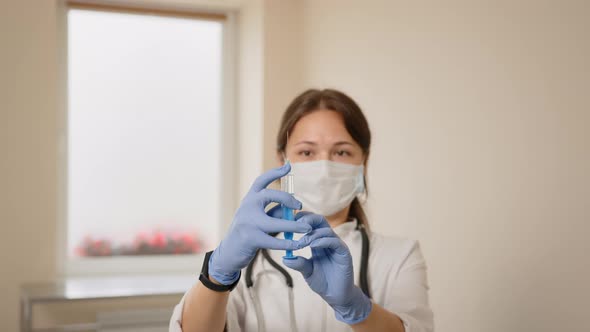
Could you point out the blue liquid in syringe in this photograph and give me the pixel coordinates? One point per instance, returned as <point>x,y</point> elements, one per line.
<point>288,215</point>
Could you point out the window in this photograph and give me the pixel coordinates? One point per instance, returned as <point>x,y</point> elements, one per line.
<point>144,134</point>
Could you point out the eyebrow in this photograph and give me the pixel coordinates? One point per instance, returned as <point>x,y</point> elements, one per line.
<point>305,142</point>
<point>314,143</point>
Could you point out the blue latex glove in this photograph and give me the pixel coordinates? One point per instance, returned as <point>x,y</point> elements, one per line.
<point>250,228</point>
<point>329,271</point>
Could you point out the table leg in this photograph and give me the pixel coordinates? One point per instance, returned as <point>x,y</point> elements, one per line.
<point>25,315</point>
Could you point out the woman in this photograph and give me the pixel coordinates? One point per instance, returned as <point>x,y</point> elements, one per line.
<point>326,138</point>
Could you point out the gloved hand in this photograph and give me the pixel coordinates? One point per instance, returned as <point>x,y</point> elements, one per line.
<point>250,228</point>
<point>329,271</point>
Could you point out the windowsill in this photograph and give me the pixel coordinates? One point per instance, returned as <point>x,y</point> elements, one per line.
<point>130,265</point>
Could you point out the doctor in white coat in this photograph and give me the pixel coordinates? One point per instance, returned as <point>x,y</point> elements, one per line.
<point>344,278</point>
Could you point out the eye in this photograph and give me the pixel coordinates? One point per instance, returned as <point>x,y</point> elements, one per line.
<point>305,153</point>
<point>342,153</point>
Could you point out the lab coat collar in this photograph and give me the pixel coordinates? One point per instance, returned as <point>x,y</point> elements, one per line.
<point>346,228</point>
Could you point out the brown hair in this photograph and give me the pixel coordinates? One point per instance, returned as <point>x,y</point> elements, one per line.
<point>354,120</point>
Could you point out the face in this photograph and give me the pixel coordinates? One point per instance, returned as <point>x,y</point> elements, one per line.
<point>322,135</point>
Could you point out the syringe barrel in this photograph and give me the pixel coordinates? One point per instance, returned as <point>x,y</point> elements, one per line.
<point>287,184</point>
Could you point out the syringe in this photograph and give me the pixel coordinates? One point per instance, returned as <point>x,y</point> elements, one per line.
<point>288,213</point>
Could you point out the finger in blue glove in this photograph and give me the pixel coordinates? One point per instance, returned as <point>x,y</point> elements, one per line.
<point>329,271</point>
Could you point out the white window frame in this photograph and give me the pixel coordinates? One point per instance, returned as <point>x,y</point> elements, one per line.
<point>148,264</point>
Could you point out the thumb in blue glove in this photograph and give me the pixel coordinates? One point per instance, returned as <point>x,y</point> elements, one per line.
<point>329,272</point>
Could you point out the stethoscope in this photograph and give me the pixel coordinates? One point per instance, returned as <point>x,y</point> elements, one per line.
<point>364,282</point>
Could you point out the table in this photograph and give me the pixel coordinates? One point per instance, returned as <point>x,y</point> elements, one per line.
<point>79,289</point>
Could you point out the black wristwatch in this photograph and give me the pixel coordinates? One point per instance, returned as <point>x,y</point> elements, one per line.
<point>204,278</point>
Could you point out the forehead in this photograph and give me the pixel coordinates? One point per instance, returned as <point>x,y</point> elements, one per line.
<point>320,126</point>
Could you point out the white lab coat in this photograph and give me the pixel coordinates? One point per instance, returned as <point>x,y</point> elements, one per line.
<point>397,282</point>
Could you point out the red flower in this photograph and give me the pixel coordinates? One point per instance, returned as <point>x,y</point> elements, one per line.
<point>159,240</point>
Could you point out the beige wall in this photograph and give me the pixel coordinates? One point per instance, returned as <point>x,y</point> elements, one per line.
<point>481,119</point>
<point>283,71</point>
<point>270,74</point>
<point>28,149</point>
